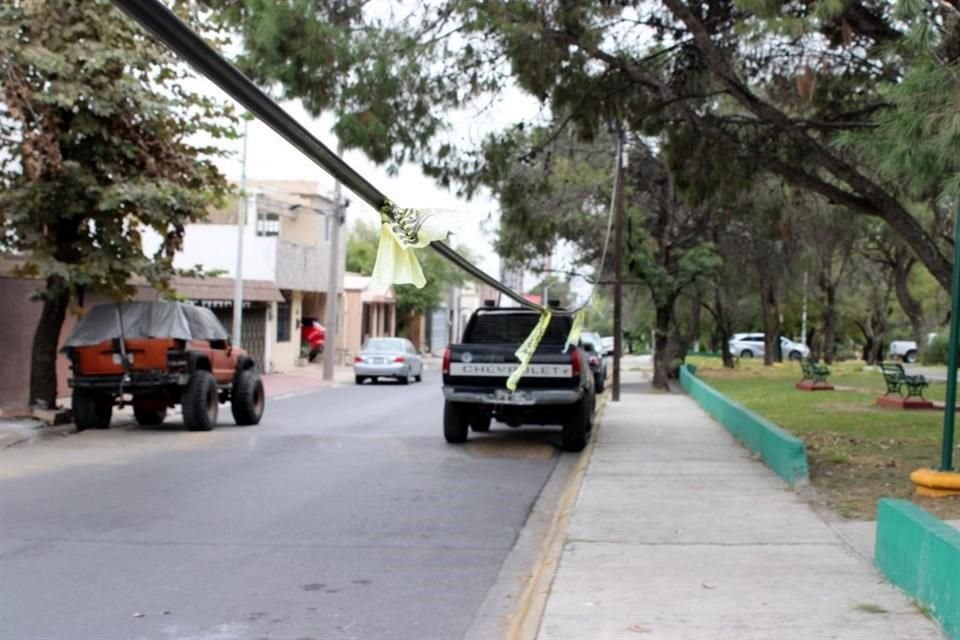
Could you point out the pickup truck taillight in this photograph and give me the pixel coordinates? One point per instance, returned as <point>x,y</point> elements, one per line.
<point>446,361</point>
<point>575,363</point>
<point>177,360</point>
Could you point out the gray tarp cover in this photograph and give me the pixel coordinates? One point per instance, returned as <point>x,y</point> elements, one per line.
<point>147,320</point>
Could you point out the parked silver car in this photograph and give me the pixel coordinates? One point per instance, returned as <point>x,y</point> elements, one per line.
<point>749,345</point>
<point>388,358</point>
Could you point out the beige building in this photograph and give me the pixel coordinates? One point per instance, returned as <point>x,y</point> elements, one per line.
<point>366,312</point>
<point>287,239</point>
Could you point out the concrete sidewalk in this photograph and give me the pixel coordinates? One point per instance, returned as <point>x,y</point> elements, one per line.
<point>678,534</point>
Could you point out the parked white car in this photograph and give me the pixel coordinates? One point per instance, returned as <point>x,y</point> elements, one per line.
<point>905,350</point>
<point>749,345</point>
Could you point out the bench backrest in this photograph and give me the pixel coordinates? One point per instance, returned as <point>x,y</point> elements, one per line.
<point>892,370</point>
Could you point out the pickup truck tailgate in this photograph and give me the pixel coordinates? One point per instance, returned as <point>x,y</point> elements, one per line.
<point>490,366</point>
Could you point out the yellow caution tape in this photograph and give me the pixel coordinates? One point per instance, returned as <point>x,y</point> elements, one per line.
<point>402,231</point>
<point>527,349</point>
<point>574,338</point>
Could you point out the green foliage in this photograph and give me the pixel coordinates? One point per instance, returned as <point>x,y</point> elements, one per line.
<point>96,122</point>
<point>936,352</point>
<point>440,275</point>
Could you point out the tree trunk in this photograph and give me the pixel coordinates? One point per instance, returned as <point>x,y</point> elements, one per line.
<point>661,347</point>
<point>692,336</point>
<point>46,339</point>
<point>910,305</point>
<point>771,327</point>
<point>829,320</point>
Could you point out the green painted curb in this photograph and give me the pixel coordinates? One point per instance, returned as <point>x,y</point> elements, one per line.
<point>921,555</point>
<point>782,451</point>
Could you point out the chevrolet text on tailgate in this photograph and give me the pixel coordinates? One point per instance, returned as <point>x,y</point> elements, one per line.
<point>557,387</point>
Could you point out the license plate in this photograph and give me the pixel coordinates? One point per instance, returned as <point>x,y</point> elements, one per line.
<point>505,396</point>
<point>376,360</point>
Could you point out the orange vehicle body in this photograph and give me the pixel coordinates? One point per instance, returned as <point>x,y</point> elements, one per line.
<point>154,373</point>
<point>154,355</point>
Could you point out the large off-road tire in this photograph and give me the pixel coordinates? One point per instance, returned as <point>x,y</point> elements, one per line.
<point>480,421</point>
<point>149,417</point>
<point>455,422</point>
<point>247,399</point>
<point>200,401</point>
<point>91,409</point>
<point>574,436</point>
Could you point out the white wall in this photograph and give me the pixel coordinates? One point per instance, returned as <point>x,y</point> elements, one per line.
<point>214,246</point>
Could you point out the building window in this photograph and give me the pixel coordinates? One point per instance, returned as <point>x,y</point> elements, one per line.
<point>283,321</point>
<point>268,224</point>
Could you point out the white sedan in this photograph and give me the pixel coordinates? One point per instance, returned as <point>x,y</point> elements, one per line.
<point>748,345</point>
<point>388,358</point>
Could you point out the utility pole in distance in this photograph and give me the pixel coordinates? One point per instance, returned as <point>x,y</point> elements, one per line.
<point>330,308</point>
<point>241,228</point>
<point>618,267</point>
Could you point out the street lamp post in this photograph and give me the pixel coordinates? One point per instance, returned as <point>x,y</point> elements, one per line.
<point>241,224</point>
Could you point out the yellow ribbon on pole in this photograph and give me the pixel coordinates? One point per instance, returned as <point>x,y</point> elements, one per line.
<point>527,349</point>
<point>577,329</point>
<point>402,231</point>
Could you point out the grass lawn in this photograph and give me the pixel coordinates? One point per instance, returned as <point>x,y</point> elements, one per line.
<point>858,452</point>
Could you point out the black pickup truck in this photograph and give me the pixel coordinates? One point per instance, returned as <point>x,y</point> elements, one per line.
<point>557,387</point>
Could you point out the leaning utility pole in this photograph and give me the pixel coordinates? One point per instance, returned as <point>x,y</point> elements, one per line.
<point>618,267</point>
<point>333,281</point>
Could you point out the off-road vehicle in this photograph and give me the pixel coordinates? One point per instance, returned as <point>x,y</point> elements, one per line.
<point>155,355</point>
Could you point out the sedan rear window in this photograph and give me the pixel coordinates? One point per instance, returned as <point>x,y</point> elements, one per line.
<point>383,345</point>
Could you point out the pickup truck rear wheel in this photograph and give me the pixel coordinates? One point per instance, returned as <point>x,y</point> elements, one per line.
<point>575,430</point>
<point>910,356</point>
<point>200,401</point>
<point>455,422</point>
<point>91,410</point>
<point>247,398</point>
<point>480,421</point>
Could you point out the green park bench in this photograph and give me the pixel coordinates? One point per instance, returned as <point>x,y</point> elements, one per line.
<point>816,373</point>
<point>897,380</point>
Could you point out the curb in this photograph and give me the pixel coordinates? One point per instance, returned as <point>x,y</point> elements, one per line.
<point>23,436</point>
<point>781,451</point>
<point>525,622</point>
<point>920,554</point>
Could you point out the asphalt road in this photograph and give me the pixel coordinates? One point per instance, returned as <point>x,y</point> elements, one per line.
<point>344,514</point>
